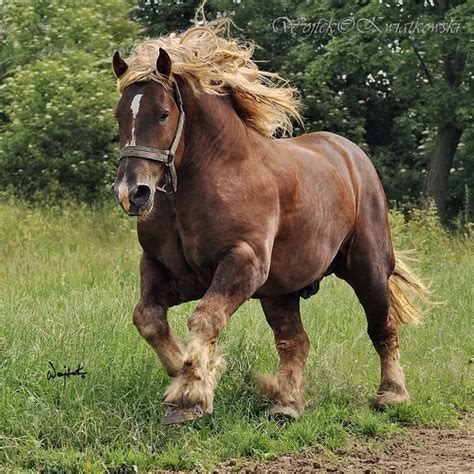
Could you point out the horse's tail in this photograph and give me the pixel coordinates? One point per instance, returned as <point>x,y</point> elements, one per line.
<point>409,295</point>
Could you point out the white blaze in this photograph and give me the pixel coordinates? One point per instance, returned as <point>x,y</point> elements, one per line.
<point>123,188</point>
<point>134,107</point>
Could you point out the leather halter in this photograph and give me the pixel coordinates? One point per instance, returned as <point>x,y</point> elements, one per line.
<point>156,154</point>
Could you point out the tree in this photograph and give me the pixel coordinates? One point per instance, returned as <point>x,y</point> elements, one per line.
<point>448,84</point>
<point>58,134</point>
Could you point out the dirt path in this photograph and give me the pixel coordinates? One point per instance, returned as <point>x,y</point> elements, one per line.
<point>422,450</point>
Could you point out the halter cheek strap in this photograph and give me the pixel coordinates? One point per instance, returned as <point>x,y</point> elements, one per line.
<point>162,156</point>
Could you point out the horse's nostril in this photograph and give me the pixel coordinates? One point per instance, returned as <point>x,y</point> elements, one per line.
<point>139,195</point>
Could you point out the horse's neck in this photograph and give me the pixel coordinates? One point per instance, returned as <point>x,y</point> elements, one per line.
<point>214,133</point>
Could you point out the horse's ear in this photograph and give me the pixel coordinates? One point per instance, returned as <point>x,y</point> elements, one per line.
<point>118,65</point>
<point>163,63</point>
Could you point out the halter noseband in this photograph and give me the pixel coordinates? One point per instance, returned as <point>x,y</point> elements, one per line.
<point>162,156</point>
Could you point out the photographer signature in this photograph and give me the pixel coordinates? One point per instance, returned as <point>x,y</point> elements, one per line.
<point>52,374</point>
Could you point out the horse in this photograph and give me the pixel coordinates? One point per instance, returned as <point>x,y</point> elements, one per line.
<point>226,212</point>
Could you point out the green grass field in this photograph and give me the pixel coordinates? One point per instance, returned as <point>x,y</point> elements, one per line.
<point>69,281</point>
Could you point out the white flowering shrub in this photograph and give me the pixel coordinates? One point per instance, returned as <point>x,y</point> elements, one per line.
<point>58,136</point>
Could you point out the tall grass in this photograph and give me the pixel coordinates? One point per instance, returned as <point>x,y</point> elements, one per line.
<point>69,281</point>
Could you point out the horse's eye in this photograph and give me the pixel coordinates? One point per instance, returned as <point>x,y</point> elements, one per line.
<point>164,116</point>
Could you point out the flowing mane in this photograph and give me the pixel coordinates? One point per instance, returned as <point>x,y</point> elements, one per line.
<point>212,62</point>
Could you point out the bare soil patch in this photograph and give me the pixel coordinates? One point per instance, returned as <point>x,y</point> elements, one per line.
<point>421,450</point>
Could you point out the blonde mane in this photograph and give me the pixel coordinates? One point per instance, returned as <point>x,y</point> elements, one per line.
<point>212,62</point>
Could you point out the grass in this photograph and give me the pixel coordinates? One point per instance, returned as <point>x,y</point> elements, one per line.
<point>69,281</point>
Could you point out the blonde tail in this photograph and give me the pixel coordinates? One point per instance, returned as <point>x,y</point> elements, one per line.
<point>408,294</point>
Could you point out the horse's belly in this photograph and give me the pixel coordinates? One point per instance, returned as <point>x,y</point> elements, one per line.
<point>304,257</point>
<point>294,272</point>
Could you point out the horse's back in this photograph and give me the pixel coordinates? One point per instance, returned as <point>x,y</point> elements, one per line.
<point>339,153</point>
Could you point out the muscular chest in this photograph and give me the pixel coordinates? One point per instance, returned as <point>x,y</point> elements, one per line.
<point>160,239</point>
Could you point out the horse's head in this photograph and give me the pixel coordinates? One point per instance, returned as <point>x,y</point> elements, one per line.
<point>148,115</point>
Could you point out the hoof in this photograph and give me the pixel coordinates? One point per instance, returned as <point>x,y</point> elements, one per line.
<point>284,412</point>
<point>175,415</point>
<point>384,400</point>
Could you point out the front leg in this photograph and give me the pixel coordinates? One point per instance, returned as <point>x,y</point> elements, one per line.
<point>150,315</point>
<point>239,274</point>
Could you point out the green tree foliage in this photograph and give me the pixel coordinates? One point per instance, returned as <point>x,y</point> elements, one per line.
<point>57,95</point>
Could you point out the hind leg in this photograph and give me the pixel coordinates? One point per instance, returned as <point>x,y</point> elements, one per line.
<point>368,273</point>
<point>286,389</point>
<point>383,331</point>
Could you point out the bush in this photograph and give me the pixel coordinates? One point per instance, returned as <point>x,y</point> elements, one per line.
<point>59,134</point>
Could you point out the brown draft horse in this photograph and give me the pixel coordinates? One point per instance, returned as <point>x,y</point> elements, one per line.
<point>227,213</point>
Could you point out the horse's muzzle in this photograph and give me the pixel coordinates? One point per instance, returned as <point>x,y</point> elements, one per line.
<point>135,200</point>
